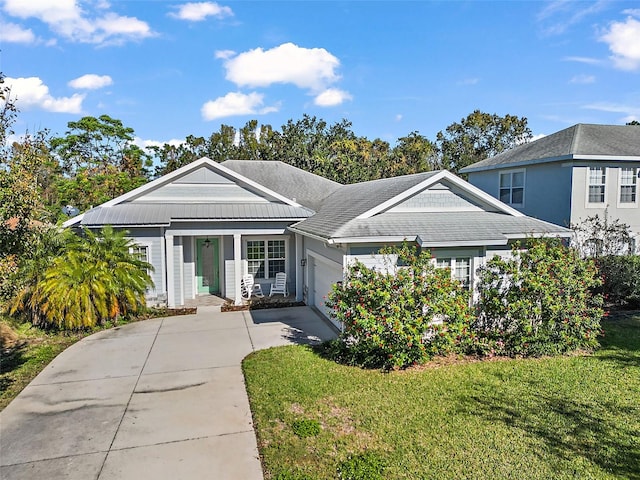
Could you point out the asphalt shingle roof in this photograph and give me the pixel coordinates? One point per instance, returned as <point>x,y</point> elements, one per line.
<point>306,188</point>
<point>449,227</point>
<point>349,201</point>
<point>575,141</point>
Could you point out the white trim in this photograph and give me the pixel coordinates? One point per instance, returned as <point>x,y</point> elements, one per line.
<point>265,240</point>
<point>171,296</point>
<point>226,231</point>
<point>619,189</point>
<point>169,177</point>
<point>299,269</point>
<point>237,264</point>
<point>511,172</point>
<point>438,177</point>
<point>596,205</point>
<point>560,158</point>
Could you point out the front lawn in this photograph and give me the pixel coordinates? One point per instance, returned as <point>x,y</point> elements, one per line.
<point>565,417</point>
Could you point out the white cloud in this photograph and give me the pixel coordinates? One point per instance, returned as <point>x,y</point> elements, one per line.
<point>155,143</point>
<point>91,81</point>
<point>398,117</point>
<point>587,60</point>
<point>623,39</point>
<point>332,97</point>
<point>629,110</point>
<point>224,54</point>
<point>583,79</point>
<point>308,68</point>
<point>68,19</point>
<point>236,103</point>
<point>537,137</point>
<point>12,33</point>
<point>31,92</point>
<point>559,15</point>
<point>196,12</point>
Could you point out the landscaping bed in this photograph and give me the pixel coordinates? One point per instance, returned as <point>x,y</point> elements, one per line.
<point>574,416</point>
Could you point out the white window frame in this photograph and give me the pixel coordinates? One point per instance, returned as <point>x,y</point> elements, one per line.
<point>589,185</point>
<point>452,263</point>
<point>265,241</point>
<point>146,246</point>
<point>511,174</point>
<point>636,180</point>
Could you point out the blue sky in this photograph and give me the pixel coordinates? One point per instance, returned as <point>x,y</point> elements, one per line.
<point>169,68</point>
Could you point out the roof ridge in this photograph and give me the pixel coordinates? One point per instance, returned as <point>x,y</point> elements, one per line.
<point>575,138</point>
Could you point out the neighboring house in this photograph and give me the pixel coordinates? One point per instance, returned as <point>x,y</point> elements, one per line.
<point>570,175</point>
<point>206,224</point>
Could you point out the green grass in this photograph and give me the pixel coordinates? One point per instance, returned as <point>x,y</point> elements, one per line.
<point>563,418</point>
<point>20,365</point>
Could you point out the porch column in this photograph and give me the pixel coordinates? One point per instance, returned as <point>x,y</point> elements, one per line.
<point>171,297</point>
<point>237,265</point>
<point>299,268</point>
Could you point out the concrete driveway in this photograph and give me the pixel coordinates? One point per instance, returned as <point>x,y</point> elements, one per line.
<point>160,399</point>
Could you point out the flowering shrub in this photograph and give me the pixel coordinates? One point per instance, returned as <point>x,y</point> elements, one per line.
<point>539,302</point>
<point>621,279</point>
<point>397,316</point>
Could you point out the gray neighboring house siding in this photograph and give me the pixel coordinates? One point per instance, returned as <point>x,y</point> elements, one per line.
<point>556,171</point>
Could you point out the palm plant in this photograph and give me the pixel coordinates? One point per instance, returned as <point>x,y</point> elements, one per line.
<point>96,278</point>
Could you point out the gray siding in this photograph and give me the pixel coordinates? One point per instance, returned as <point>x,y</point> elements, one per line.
<point>152,239</point>
<point>189,268</point>
<point>626,213</point>
<point>547,192</point>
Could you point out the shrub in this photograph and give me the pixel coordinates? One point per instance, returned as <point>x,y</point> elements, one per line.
<point>306,428</point>
<point>366,466</point>
<point>401,314</point>
<point>621,279</point>
<point>538,302</point>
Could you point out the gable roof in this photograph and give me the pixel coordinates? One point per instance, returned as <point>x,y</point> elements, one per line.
<point>579,142</point>
<point>127,208</point>
<point>359,213</point>
<point>301,186</point>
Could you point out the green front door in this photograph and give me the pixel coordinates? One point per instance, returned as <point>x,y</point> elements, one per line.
<point>207,267</point>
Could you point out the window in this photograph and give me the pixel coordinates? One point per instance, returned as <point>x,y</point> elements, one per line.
<point>512,187</point>
<point>266,257</point>
<point>141,252</point>
<point>628,188</point>
<point>460,269</point>
<point>597,181</point>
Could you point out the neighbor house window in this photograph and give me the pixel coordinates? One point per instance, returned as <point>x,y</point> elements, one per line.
<point>512,187</point>
<point>266,257</point>
<point>460,268</point>
<point>628,188</point>
<point>597,181</point>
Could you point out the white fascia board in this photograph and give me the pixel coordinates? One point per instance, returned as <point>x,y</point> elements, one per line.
<point>608,158</point>
<point>169,177</point>
<point>482,195</point>
<point>395,239</point>
<point>457,181</point>
<point>466,243</point>
<point>402,196</point>
<point>73,221</point>
<point>292,228</point>
<point>516,164</point>
<point>557,233</point>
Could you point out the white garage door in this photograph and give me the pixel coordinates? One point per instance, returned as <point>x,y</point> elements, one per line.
<point>324,276</point>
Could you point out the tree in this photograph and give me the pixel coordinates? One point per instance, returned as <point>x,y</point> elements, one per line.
<point>95,278</point>
<point>97,143</point>
<point>479,136</point>
<point>99,161</point>
<point>633,122</point>
<point>414,154</point>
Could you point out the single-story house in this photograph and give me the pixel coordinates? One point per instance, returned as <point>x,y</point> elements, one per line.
<point>207,224</point>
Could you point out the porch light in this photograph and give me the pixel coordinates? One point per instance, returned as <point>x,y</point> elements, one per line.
<point>207,242</point>
<point>303,262</point>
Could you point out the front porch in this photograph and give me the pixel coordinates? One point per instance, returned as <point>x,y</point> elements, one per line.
<point>204,267</point>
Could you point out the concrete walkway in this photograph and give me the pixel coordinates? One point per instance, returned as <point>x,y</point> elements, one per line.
<point>160,399</point>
